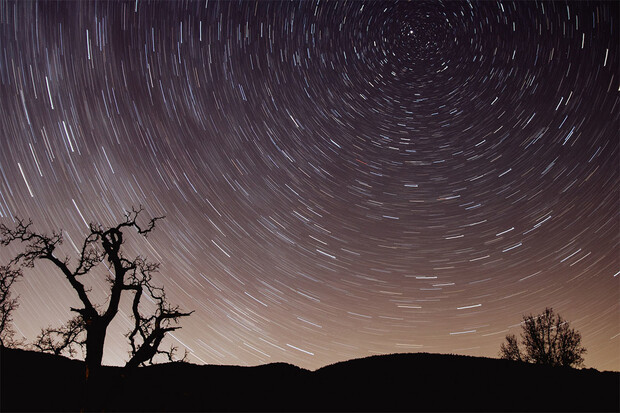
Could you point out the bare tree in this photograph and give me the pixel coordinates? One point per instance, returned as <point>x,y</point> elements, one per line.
<point>510,350</point>
<point>124,276</point>
<point>8,304</point>
<point>62,340</point>
<point>148,332</point>
<point>547,339</point>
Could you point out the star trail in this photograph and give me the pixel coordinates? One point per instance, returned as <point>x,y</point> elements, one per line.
<point>339,179</point>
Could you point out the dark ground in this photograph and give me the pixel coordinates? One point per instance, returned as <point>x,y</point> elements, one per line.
<point>398,382</point>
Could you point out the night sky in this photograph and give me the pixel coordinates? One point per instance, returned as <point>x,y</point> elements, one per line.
<point>339,179</point>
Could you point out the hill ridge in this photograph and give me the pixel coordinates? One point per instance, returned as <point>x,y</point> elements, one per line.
<point>32,381</point>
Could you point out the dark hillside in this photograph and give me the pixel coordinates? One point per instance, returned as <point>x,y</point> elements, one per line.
<point>38,382</point>
<point>32,381</point>
<point>431,382</point>
<point>399,382</point>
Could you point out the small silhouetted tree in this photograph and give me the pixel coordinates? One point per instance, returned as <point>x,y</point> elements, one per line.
<point>8,304</point>
<point>546,339</point>
<point>64,340</point>
<point>124,275</point>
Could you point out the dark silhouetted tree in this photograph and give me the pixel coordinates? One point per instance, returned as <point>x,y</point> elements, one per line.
<point>546,339</point>
<point>510,350</point>
<point>124,275</point>
<point>64,340</point>
<point>8,304</point>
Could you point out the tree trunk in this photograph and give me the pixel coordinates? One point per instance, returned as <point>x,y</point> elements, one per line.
<point>95,339</point>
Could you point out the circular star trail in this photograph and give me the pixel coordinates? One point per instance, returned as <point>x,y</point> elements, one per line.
<point>339,179</point>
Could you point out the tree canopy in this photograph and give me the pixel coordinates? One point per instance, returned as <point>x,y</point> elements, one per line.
<point>546,339</point>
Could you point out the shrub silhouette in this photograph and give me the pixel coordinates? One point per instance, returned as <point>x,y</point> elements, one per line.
<point>547,339</point>
<point>89,327</point>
